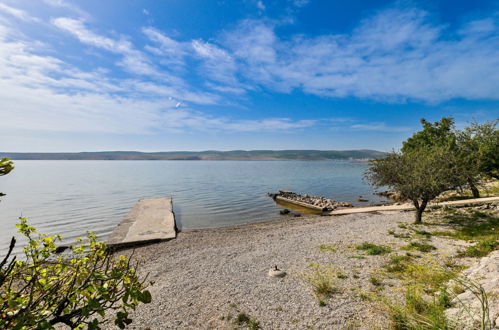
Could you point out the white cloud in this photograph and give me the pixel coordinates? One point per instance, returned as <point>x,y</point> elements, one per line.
<point>171,51</point>
<point>17,13</point>
<point>133,61</point>
<point>260,5</point>
<point>44,93</point>
<point>393,56</point>
<point>301,3</point>
<point>68,7</point>
<point>381,127</point>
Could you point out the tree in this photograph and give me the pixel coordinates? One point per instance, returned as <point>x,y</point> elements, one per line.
<point>477,148</point>
<point>440,133</point>
<point>418,175</point>
<point>6,165</point>
<point>77,289</point>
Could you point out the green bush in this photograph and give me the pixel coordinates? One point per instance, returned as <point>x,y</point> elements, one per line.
<point>44,289</point>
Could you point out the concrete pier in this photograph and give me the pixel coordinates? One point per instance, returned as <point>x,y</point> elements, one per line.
<point>150,220</point>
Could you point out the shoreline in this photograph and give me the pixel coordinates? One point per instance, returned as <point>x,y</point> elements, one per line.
<point>228,267</point>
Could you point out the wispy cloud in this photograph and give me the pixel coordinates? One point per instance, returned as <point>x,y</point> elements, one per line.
<point>393,56</point>
<point>17,13</point>
<point>380,127</point>
<point>44,93</point>
<point>133,60</point>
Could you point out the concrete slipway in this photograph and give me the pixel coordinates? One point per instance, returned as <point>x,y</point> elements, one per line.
<point>150,220</point>
<point>408,207</point>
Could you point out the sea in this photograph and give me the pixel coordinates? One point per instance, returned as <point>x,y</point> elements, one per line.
<point>71,197</point>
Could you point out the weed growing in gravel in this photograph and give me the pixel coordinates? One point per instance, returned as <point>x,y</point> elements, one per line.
<point>327,248</point>
<point>418,311</point>
<point>422,247</point>
<point>397,263</point>
<point>422,233</point>
<point>425,294</point>
<point>244,319</point>
<point>341,275</point>
<point>323,282</point>
<point>373,249</point>
<point>398,235</point>
<point>375,280</point>
<point>480,249</point>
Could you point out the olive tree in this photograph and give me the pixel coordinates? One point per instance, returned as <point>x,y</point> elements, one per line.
<point>418,175</point>
<point>478,153</point>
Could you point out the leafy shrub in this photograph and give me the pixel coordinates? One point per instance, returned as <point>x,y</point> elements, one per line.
<point>45,289</point>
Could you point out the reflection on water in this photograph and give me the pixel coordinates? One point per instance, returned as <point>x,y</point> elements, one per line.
<point>71,197</point>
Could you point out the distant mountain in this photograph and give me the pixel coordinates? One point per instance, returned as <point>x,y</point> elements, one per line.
<point>202,155</point>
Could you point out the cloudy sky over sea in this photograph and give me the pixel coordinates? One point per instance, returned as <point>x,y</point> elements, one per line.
<point>252,74</point>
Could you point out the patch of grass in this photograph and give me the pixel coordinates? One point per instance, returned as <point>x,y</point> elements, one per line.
<point>341,275</point>
<point>366,296</point>
<point>418,311</point>
<point>469,224</point>
<point>373,249</point>
<point>375,280</point>
<point>422,233</point>
<point>402,225</point>
<point>425,295</point>
<point>480,249</point>
<point>399,235</point>
<point>397,264</point>
<point>327,248</point>
<point>422,247</point>
<point>472,225</point>
<point>428,274</point>
<point>244,319</point>
<point>323,281</point>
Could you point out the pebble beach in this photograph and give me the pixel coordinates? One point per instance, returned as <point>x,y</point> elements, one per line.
<point>205,278</point>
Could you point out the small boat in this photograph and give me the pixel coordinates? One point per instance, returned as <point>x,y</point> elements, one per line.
<point>311,203</point>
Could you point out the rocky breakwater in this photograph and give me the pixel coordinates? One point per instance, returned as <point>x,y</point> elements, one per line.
<point>322,203</point>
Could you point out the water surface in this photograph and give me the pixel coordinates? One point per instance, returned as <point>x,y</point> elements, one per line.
<point>71,197</point>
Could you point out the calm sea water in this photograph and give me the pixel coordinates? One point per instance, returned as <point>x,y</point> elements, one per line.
<point>71,197</point>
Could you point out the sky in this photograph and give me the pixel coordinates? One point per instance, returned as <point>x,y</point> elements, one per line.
<point>196,75</point>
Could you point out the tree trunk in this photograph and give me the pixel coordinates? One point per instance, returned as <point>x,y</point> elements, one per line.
<point>419,210</point>
<point>474,189</point>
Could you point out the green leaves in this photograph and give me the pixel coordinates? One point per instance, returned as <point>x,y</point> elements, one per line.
<point>145,297</point>
<point>45,289</point>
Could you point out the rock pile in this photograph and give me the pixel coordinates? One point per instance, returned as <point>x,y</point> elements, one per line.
<point>325,203</point>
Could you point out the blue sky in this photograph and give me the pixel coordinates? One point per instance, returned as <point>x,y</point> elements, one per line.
<point>250,74</point>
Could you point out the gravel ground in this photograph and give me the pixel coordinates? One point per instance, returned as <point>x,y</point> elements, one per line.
<point>204,276</point>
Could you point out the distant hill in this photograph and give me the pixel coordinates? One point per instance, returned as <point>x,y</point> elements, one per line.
<point>202,155</point>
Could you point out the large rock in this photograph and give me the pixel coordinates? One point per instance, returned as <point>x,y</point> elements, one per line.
<point>485,273</point>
